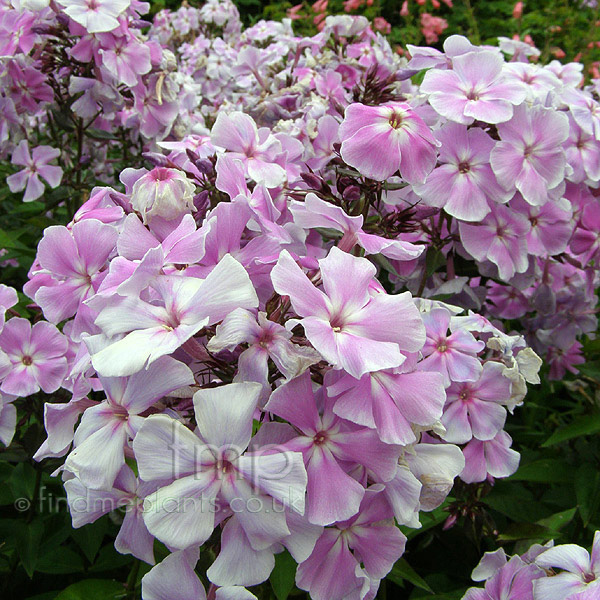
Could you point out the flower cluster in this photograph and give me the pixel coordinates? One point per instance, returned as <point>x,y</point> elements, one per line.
<point>565,572</point>
<point>292,321</point>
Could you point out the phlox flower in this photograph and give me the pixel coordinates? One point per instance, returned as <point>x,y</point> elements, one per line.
<point>349,327</point>
<point>490,458</point>
<point>212,471</point>
<point>474,409</point>
<point>32,357</point>
<point>106,428</point>
<point>379,140</point>
<point>537,81</point>
<point>163,192</point>
<point>126,58</point>
<point>8,418</point>
<point>529,155</point>
<point>391,402</point>
<point>465,181</point>
<point>354,555</point>
<point>36,166</point>
<point>330,447</point>
<point>512,581</point>
<point>551,226</point>
<point>265,339</point>
<point>500,238</point>
<point>580,578</point>
<point>88,505</point>
<point>256,148</point>
<point>95,15</point>
<point>314,212</point>
<point>583,153</point>
<point>71,264</point>
<point>475,88</point>
<point>152,330</point>
<point>453,355</point>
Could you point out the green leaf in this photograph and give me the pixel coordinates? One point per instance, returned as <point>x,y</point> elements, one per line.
<point>403,571</point>
<point>99,134</point>
<point>29,536</point>
<point>61,561</point>
<point>93,589</point>
<point>109,559</point>
<point>283,576</point>
<point>434,259</point>
<point>22,481</point>
<point>545,470</point>
<point>587,490</point>
<point>584,425</point>
<point>525,531</point>
<point>558,520</point>
<point>591,369</point>
<point>89,538</point>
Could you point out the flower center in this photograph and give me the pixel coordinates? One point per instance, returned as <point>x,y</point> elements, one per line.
<point>589,577</point>
<point>472,95</point>
<point>464,167</point>
<point>442,345</point>
<point>320,438</point>
<point>27,360</point>
<point>396,120</point>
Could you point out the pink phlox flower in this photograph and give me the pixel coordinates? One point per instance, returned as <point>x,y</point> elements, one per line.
<point>322,144</point>
<point>474,409</point>
<point>391,402</point>
<point>354,555</point>
<point>475,88</point>
<point>537,81</point>
<point>453,355</point>
<point>266,339</point>
<point>31,357</point>
<point>551,225</point>
<point>95,15</point>
<point>26,86</point>
<point>379,140</point>
<point>213,467</point>
<point>352,329</point>
<point>464,181</point>
<point>330,447</point>
<point>74,259</point>
<point>500,238</point>
<point>16,32</point>
<point>36,166</point>
<point>59,422</point>
<point>88,505</point>
<point>585,110</point>
<point>107,427</point>
<point>510,581</point>
<point>153,330</point>
<point>583,153</point>
<point>315,213</point>
<point>424,57</point>
<point>520,51</point>
<point>126,59</point>
<point>580,575</point>
<point>489,459</point>
<point>8,418</point>
<point>507,302</point>
<point>256,148</point>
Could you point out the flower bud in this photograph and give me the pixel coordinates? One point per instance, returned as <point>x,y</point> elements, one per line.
<point>163,192</point>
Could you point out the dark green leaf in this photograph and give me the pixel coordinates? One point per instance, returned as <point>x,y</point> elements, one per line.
<point>89,538</point>
<point>283,575</point>
<point>558,520</point>
<point>403,571</point>
<point>61,561</point>
<point>587,489</point>
<point>584,425</point>
<point>93,589</point>
<point>546,471</point>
